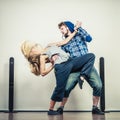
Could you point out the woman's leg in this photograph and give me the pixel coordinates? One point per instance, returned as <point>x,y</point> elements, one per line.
<point>52,104</point>
<point>51,111</point>
<point>62,72</point>
<point>61,80</point>
<point>87,62</point>
<point>84,64</point>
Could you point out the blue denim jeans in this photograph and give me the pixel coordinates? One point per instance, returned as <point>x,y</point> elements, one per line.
<point>84,64</point>
<point>94,81</point>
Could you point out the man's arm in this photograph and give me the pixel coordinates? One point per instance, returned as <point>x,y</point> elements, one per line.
<point>83,33</point>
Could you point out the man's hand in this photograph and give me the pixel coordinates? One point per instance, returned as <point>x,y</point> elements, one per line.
<point>78,24</point>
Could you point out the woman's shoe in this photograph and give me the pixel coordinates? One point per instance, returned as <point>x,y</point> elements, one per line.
<point>52,112</point>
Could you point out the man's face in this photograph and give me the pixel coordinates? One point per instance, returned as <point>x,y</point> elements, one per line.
<point>64,30</point>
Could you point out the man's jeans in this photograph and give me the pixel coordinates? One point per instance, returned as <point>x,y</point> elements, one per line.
<point>94,81</point>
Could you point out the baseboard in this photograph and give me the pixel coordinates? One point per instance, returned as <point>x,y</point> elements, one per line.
<point>44,111</point>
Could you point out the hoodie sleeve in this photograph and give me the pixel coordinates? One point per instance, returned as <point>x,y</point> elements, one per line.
<point>83,33</point>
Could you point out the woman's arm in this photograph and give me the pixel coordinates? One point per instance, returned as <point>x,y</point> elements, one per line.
<point>43,70</point>
<point>65,41</point>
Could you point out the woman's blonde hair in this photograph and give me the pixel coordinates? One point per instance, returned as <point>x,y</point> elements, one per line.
<point>34,60</point>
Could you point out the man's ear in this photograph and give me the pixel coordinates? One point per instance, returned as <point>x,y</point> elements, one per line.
<point>67,28</point>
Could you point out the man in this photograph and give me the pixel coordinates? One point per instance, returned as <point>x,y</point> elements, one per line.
<point>76,48</point>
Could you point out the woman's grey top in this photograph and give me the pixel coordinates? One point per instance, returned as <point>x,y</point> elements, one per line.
<point>55,50</point>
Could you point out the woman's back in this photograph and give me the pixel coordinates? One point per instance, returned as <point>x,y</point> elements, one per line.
<point>55,50</point>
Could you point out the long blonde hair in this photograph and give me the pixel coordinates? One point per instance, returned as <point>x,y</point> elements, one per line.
<point>34,60</point>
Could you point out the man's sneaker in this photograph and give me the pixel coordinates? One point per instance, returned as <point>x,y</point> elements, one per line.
<point>80,82</point>
<point>60,110</point>
<point>96,110</point>
<point>52,112</point>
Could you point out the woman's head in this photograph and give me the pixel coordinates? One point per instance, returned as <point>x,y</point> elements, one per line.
<point>32,51</point>
<point>30,48</point>
<point>26,48</point>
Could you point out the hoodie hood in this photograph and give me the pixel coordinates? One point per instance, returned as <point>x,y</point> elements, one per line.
<point>70,25</point>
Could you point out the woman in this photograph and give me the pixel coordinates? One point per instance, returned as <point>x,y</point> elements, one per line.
<point>60,61</point>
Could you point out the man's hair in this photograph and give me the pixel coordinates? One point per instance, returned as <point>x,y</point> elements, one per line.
<point>68,24</point>
<point>61,24</point>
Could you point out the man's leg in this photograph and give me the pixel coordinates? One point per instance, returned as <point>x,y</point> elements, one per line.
<point>96,100</point>
<point>96,84</point>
